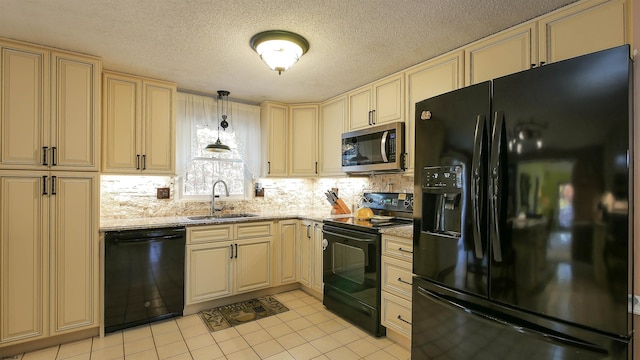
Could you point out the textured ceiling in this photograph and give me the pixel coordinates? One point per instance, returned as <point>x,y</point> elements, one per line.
<point>203,45</point>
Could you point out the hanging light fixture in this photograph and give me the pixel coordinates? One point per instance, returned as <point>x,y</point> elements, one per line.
<point>223,113</point>
<point>279,49</point>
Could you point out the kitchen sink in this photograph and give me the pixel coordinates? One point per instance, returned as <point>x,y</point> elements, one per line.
<point>220,216</point>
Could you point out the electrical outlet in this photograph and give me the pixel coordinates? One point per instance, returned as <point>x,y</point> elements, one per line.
<point>163,193</point>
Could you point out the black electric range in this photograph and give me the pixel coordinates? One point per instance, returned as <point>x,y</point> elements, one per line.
<point>351,259</point>
<point>389,209</point>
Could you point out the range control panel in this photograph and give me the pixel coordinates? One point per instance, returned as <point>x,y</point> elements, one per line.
<point>442,177</point>
<point>402,202</point>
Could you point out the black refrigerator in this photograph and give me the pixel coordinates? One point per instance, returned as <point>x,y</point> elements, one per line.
<point>523,248</point>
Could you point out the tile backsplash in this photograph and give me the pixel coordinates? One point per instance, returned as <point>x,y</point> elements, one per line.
<point>135,196</point>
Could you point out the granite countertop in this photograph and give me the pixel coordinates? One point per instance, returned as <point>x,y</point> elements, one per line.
<point>405,231</point>
<point>175,221</point>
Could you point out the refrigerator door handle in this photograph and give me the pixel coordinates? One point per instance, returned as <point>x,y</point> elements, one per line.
<point>476,183</point>
<point>383,146</point>
<point>494,188</point>
<point>527,328</point>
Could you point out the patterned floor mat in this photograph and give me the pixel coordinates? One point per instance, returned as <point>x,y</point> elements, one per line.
<point>224,317</point>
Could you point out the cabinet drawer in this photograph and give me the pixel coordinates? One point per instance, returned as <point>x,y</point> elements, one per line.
<point>202,234</point>
<point>397,277</point>
<point>401,248</point>
<point>254,230</point>
<point>396,313</point>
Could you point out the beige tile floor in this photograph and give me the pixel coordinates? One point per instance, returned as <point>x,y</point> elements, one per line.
<point>306,331</point>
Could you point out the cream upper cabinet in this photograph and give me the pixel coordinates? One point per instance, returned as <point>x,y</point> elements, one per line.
<point>303,152</point>
<point>138,125</point>
<point>287,252</point>
<point>378,103</point>
<point>583,28</point>
<point>24,260</point>
<point>49,109</point>
<point>505,53</point>
<point>49,249</point>
<point>274,124</point>
<point>333,114</point>
<point>435,77</point>
<point>75,112</point>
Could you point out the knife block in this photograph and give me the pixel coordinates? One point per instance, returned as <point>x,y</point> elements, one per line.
<point>341,208</point>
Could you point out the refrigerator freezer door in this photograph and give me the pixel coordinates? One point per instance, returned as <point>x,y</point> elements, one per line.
<point>450,212</point>
<point>564,219</point>
<point>450,325</point>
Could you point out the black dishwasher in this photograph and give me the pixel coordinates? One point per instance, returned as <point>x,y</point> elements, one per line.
<point>143,276</point>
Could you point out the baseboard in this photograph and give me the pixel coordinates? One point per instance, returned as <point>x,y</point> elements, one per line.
<point>47,342</point>
<point>400,339</point>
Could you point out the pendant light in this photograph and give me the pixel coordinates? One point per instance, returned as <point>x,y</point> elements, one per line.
<point>279,49</point>
<point>223,113</point>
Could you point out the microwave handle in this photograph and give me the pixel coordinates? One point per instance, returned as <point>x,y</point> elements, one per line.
<point>383,146</point>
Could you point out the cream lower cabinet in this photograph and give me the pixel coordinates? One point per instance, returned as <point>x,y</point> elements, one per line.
<point>224,260</point>
<point>48,254</point>
<point>139,125</point>
<point>310,255</point>
<point>49,109</point>
<point>396,279</point>
<point>287,263</point>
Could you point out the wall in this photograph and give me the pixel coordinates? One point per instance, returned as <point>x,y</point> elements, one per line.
<point>135,196</point>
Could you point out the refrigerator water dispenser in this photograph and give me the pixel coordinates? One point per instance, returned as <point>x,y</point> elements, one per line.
<point>442,204</point>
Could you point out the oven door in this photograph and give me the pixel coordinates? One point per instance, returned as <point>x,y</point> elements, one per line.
<point>351,264</point>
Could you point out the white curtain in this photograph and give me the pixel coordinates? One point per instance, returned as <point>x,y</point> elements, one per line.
<point>196,112</point>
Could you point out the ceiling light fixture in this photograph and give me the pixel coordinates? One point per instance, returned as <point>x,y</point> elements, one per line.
<point>279,49</point>
<point>223,113</point>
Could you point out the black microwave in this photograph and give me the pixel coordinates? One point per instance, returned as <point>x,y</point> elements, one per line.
<point>376,149</point>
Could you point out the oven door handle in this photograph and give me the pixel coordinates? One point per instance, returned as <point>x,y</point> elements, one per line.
<point>348,237</point>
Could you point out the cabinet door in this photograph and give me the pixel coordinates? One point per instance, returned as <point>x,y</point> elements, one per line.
<point>23,255</point>
<point>75,115</point>
<point>360,108</point>
<point>287,252</point>
<point>332,119</point>
<point>253,264</point>
<point>582,29</point>
<point>317,283</point>
<point>158,154</point>
<point>304,140</point>
<point>305,252</point>
<point>24,106</point>
<point>389,100</point>
<point>274,118</point>
<point>506,53</point>
<point>208,271</point>
<point>121,108</point>
<point>74,251</point>
<point>427,80</point>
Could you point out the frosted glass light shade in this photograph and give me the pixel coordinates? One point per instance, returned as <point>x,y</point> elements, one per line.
<point>279,49</point>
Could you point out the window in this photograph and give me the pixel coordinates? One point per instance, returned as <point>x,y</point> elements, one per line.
<point>198,168</point>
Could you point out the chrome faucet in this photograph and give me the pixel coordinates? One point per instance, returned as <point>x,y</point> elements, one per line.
<point>213,195</point>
